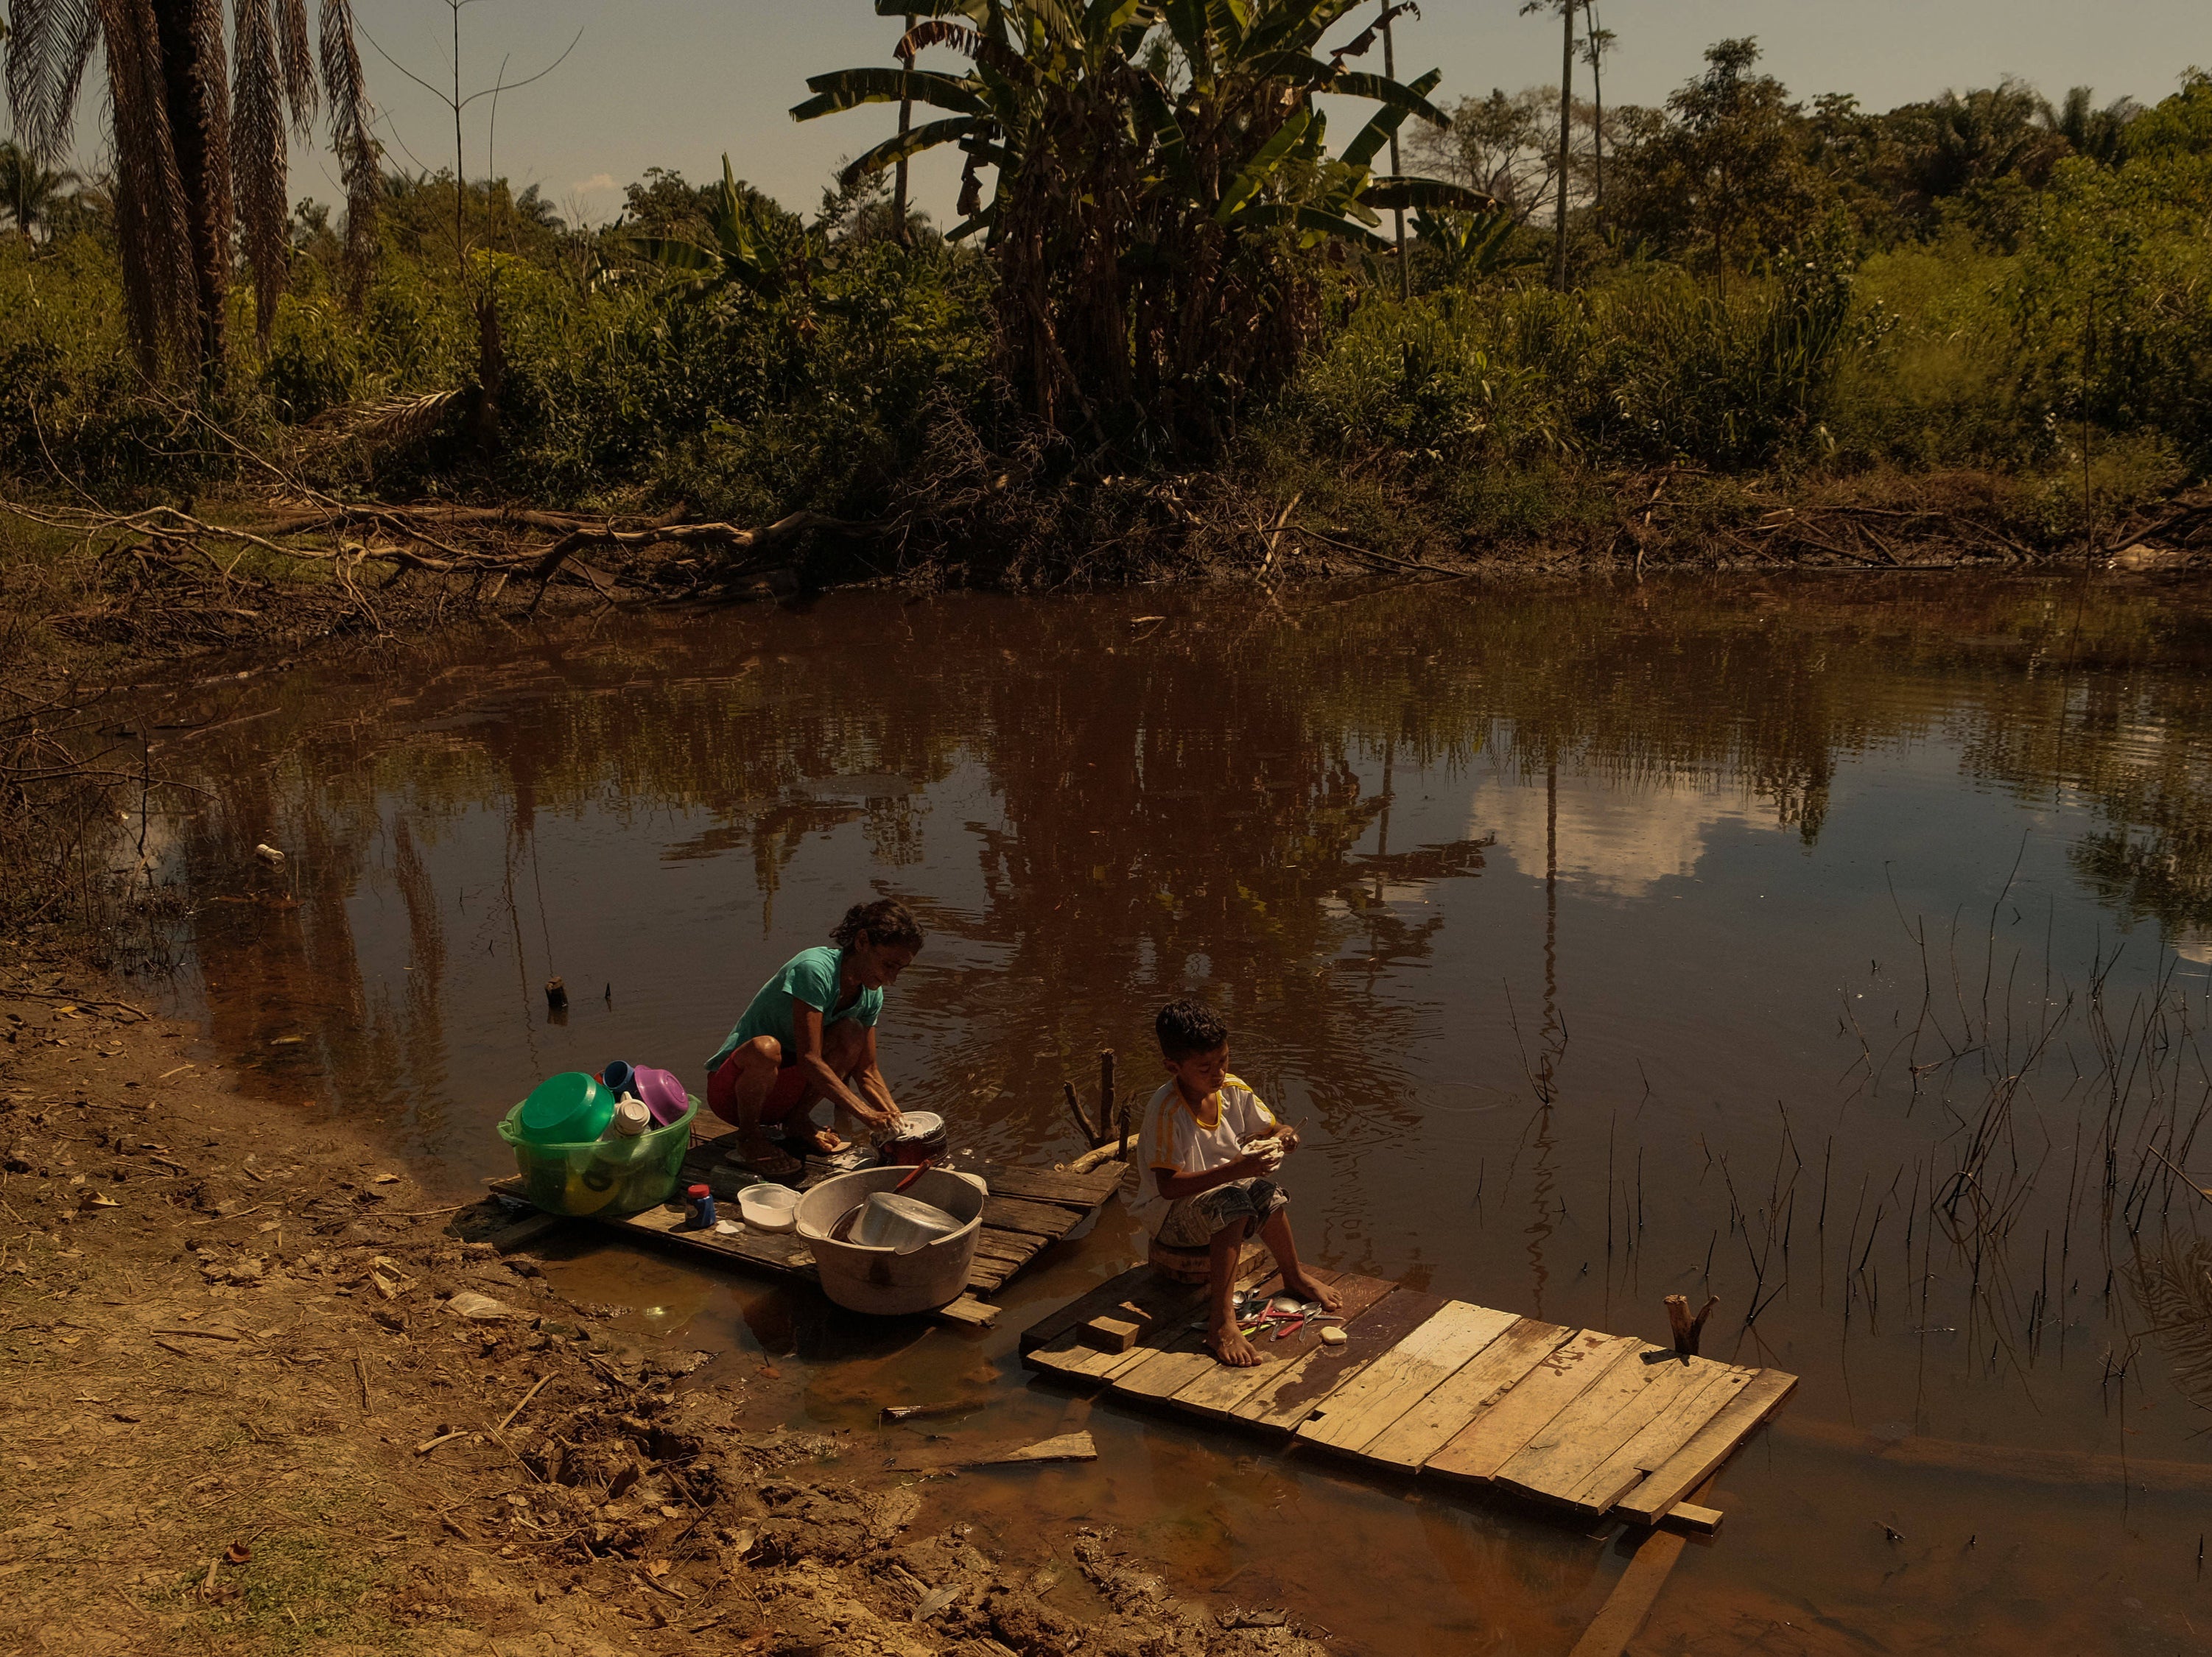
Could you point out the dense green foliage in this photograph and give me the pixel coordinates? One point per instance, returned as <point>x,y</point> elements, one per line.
<point>1979,282</point>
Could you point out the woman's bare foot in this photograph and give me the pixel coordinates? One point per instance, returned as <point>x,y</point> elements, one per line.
<point>1231,1348</point>
<point>824,1141</point>
<point>1307,1289</point>
<point>766,1158</point>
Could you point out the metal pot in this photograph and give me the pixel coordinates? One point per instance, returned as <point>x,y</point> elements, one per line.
<point>921,1140</point>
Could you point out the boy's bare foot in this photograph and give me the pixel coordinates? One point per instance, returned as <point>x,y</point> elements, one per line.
<point>1307,1289</point>
<point>1231,1348</point>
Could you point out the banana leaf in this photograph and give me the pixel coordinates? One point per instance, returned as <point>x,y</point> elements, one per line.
<point>1298,25</point>
<point>1386,121</point>
<point>1253,176</point>
<point>1431,195</point>
<point>848,88</point>
<point>898,147</point>
<point>1358,83</point>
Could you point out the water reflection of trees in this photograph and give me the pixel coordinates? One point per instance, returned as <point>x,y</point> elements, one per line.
<point>1200,802</point>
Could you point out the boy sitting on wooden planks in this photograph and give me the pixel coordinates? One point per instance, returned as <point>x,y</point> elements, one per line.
<point>1207,1147</point>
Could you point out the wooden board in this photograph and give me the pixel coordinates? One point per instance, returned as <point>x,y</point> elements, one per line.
<point>1304,1382</point>
<point>969,1310</point>
<point>1084,1191</point>
<point>1365,1405</point>
<point>1571,1417</point>
<point>1707,1449</point>
<point>1168,1308</point>
<point>1111,1294</point>
<point>1184,1360</point>
<point>1526,1407</point>
<point>1221,1389</point>
<point>1656,1442</point>
<point>1050,1221</point>
<point>1557,1461</point>
<point>1037,1206</point>
<point>1437,1419</point>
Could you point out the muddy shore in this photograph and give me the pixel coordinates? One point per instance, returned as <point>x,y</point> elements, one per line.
<point>266,1396</point>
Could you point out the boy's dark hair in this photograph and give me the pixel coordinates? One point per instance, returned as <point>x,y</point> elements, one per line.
<point>1187,1028</point>
<point>888,923</point>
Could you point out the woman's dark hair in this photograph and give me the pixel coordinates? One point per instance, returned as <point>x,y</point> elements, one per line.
<point>886,922</point>
<point>1187,1028</point>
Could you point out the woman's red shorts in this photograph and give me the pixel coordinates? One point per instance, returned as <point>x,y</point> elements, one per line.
<point>783,1095</point>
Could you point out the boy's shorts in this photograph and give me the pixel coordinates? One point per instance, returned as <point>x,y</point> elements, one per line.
<point>1193,1221</point>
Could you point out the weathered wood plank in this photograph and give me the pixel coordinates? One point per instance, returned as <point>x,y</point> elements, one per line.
<point>1050,1221</point>
<point>1160,1295</point>
<point>1659,1439</point>
<point>1693,1516</point>
<point>520,1234</point>
<point>1218,1392</point>
<point>1439,1417</point>
<point>1018,1247</point>
<point>1083,1191</point>
<point>1304,1382</point>
<point>1633,1594</point>
<point>1527,1406</point>
<point>1365,1406</point>
<point>1711,1445</point>
<point>969,1310</point>
<point>1183,1360</point>
<point>1166,1307</point>
<point>1107,1297</point>
<point>775,1251</point>
<point>1556,1462</point>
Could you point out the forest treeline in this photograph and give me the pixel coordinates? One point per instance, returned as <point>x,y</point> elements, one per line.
<point>1145,345</point>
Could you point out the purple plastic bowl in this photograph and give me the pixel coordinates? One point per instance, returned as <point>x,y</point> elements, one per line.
<point>663,1093</point>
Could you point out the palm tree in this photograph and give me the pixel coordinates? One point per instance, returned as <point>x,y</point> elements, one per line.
<point>2098,134</point>
<point>1161,172</point>
<point>27,190</point>
<point>199,132</point>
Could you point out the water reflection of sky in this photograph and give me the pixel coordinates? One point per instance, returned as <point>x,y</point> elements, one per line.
<point>1553,921</point>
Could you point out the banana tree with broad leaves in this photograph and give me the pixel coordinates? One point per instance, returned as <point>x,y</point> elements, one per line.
<point>738,251</point>
<point>1163,200</point>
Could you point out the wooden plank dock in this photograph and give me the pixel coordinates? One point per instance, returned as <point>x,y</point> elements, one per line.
<point>1601,1424</point>
<point>1027,1211</point>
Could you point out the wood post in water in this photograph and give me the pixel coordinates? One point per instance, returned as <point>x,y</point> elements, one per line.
<point>1107,1119</point>
<point>1686,1328</point>
<point>1075,1112</point>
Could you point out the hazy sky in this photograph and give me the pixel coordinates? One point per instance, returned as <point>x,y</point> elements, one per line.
<point>675,84</point>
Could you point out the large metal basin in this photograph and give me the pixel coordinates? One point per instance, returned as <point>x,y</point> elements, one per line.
<point>887,1282</point>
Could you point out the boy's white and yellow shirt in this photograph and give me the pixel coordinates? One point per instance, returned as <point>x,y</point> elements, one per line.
<point>1177,1139</point>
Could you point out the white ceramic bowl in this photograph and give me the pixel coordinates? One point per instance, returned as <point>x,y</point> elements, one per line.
<point>769,1207</point>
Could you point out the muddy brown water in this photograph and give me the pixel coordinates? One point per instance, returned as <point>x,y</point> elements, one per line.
<point>1837,948</point>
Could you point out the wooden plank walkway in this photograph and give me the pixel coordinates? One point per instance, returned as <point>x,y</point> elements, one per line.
<point>1027,1211</point>
<point>1602,1425</point>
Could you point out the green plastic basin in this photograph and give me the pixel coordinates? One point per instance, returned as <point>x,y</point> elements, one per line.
<point>606,1177</point>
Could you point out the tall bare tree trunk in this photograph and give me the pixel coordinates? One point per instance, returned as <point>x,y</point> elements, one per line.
<point>1390,72</point>
<point>905,126</point>
<point>1567,133</point>
<point>1596,38</point>
<point>195,81</point>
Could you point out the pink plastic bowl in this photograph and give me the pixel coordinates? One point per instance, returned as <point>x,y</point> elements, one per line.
<point>663,1093</point>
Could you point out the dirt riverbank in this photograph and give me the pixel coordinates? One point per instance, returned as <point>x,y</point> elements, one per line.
<point>94,590</point>
<point>264,1397</point>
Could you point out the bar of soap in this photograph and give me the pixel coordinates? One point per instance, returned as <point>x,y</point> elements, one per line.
<point>1333,1336</point>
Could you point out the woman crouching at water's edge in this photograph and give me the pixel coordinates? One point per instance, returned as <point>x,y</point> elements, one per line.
<point>810,1035</point>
